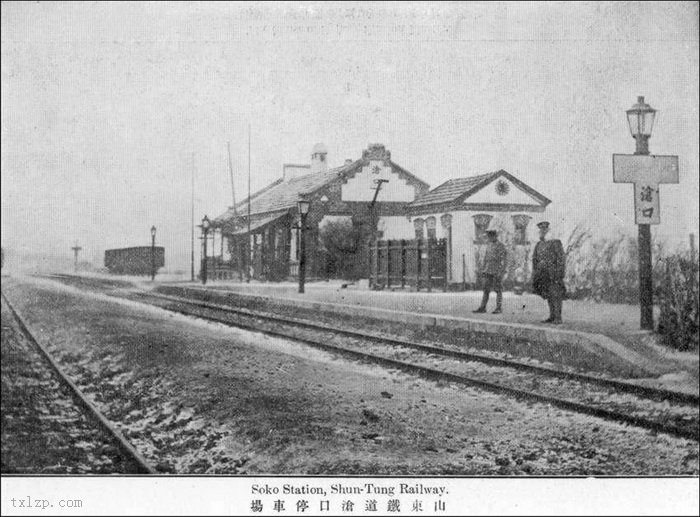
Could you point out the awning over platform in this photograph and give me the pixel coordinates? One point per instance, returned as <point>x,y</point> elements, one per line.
<point>259,223</point>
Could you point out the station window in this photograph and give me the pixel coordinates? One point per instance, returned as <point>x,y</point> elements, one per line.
<point>430,224</point>
<point>418,227</point>
<point>481,224</point>
<point>520,222</point>
<point>446,221</point>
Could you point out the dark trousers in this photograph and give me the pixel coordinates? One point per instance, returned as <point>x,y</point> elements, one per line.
<point>555,298</point>
<point>492,283</point>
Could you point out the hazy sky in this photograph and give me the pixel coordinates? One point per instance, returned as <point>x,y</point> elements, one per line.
<point>103,105</point>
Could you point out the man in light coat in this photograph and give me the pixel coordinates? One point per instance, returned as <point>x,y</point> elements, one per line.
<point>493,269</point>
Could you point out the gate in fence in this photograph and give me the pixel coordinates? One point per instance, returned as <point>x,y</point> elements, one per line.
<point>417,264</point>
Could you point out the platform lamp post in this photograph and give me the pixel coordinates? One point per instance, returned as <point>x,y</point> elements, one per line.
<point>205,231</point>
<point>647,172</point>
<point>303,206</point>
<point>641,121</point>
<point>153,253</point>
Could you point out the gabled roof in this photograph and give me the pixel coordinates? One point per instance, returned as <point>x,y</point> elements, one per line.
<point>282,195</point>
<point>452,189</point>
<point>458,189</point>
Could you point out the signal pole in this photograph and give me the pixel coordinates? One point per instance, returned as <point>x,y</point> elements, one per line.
<point>192,224</point>
<point>76,249</point>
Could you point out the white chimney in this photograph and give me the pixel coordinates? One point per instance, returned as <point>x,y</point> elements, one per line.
<point>319,156</point>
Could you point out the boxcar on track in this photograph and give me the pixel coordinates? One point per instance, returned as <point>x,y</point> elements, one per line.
<point>134,261</point>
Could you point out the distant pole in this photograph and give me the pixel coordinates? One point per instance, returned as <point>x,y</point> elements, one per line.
<point>76,249</point>
<point>230,170</point>
<point>192,224</point>
<point>247,260</point>
<point>233,199</point>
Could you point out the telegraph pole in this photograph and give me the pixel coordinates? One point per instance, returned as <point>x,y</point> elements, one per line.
<point>192,223</point>
<point>248,249</point>
<point>230,170</point>
<point>76,249</point>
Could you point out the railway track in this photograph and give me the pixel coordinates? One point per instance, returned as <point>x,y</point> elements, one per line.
<point>68,414</point>
<point>654,409</point>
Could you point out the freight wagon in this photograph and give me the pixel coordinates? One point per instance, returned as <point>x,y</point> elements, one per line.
<point>134,261</point>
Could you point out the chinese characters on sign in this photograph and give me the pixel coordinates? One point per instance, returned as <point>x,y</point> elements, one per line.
<point>647,172</point>
<point>646,204</point>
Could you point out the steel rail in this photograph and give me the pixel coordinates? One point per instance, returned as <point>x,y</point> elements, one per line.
<point>434,374</point>
<point>635,389</point>
<point>141,464</point>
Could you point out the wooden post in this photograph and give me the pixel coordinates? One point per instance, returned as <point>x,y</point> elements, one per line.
<point>418,261</point>
<point>448,254</point>
<point>388,263</point>
<point>447,265</point>
<point>645,278</point>
<point>428,266</point>
<point>402,246</point>
<point>373,249</point>
<point>464,273</point>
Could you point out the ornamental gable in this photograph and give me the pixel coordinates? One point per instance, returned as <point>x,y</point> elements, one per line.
<point>502,190</point>
<point>362,186</point>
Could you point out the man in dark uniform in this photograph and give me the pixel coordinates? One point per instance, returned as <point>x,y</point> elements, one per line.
<point>493,268</point>
<point>548,268</point>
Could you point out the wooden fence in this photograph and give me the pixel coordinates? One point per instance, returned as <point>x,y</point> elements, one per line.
<point>417,264</point>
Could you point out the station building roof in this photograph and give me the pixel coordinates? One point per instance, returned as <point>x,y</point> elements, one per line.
<point>452,189</point>
<point>283,194</point>
<point>459,191</point>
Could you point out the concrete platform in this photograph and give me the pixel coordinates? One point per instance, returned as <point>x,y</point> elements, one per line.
<point>601,332</point>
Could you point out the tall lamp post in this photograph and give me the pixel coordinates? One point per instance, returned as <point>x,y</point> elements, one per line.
<point>153,253</point>
<point>641,121</point>
<point>303,207</point>
<point>205,231</point>
<point>646,172</point>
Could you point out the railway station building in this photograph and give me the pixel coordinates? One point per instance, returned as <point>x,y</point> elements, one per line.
<point>337,195</point>
<point>388,224</point>
<point>461,210</point>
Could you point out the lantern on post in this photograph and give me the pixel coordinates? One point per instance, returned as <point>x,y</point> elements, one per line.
<point>641,121</point>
